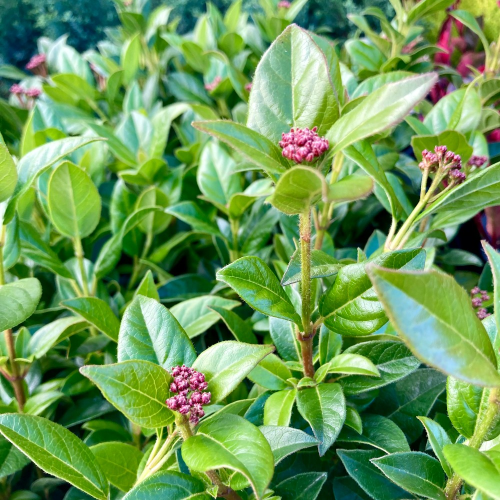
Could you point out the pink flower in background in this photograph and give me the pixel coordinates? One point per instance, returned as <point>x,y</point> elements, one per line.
<point>16,89</point>
<point>213,85</point>
<point>284,4</point>
<point>34,93</point>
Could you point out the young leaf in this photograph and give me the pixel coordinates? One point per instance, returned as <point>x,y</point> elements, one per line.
<point>8,172</point>
<point>138,389</point>
<point>323,406</point>
<point>298,189</point>
<point>226,364</point>
<point>415,472</point>
<point>438,439</point>
<point>149,331</point>
<point>382,109</point>
<point>451,339</point>
<point>57,451</point>
<point>322,265</point>
<point>171,485</point>
<point>285,440</point>
<point>349,364</point>
<point>97,312</point>
<point>292,87</point>
<point>147,287</point>
<point>278,408</point>
<point>259,287</point>
<point>351,188</point>
<point>231,442</point>
<point>74,202</point>
<point>119,461</point>
<point>18,301</point>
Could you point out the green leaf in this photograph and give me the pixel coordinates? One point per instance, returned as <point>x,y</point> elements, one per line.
<point>382,109</point>
<point>415,472</point>
<point>278,408</point>
<point>438,439</point>
<point>195,315</point>
<point>305,486</point>
<point>413,396</point>
<point>119,461</point>
<point>285,339</point>
<point>254,147</point>
<point>379,432</point>
<point>11,459</point>
<point>231,442</point>
<point>427,7</point>
<point>97,312</point>
<point>479,469</point>
<point>322,265</point>
<point>259,287</point>
<point>241,330</point>
<point>38,161</point>
<point>359,466</point>
<point>138,389</point>
<point>147,287</point>
<point>149,331</point>
<point>57,451</point>
<point>292,87</point>
<point>351,188</point>
<point>271,373</point>
<point>470,21</point>
<point>494,260</point>
<point>18,301</point>
<point>53,333</point>
<point>215,174</point>
<point>375,82</point>
<point>130,57</point>
<point>350,306</point>
<point>349,364</point>
<point>393,360</point>
<point>298,189</point>
<point>192,214</point>
<point>8,172</point>
<point>171,485</point>
<point>116,146</point>
<point>226,364</point>
<point>324,409</point>
<point>74,202</point>
<point>450,339</point>
<point>285,440</point>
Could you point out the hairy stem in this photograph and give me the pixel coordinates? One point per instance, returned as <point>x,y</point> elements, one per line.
<point>223,491</point>
<point>486,421</point>
<point>77,243</point>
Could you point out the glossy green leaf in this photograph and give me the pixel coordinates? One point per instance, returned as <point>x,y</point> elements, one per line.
<point>147,287</point>
<point>192,214</point>
<point>479,469</point>
<point>231,442</point>
<point>451,339</point>
<point>285,440</point>
<point>241,330</point>
<point>271,373</point>
<point>415,472</point>
<point>119,461</point>
<point>11,459</point>
<point>379,432</point>
<point>195,315</point>
<point>259,287</point>
<point>278,408</point>
<point>494,260</point>
<point>438,439</point>
<point>253,146</point>
<point>323,407</point>
<point>427,7</point>
<point>169,484</point>
<point>149,331</point>
<point>8,172</point>
<point>18,301</point>
<point>305,486</point>
<point>298,189</point>
<point>97,312</point>
<point>57,451</point>
<point>350,306</point>
<point>350,188</point>
<point>393,360</point>
<point>226,364</point>
<point>74,202</point>
<point>138,389</point>
<point>382,109</point>
<point>322,265</point>
<point>292,87</point>
<point>349,364</point>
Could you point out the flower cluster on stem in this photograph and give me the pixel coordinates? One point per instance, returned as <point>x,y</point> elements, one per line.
<point>21,93</point>
<point>213,85</point>
<point>189,387</point>
<point>477,298</point>
<point>303,145</point>
<point>38,65</point>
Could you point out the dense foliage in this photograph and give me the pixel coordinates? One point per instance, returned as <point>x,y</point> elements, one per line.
<point>228,263</point>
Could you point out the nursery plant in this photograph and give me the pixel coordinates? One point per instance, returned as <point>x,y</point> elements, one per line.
<point>228,265</point>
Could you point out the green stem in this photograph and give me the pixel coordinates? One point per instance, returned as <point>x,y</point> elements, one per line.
<point>306,336</point>
<point>77,242</point>
<point>234,251</point>
<point>158,456</point>
<point>486,421</point>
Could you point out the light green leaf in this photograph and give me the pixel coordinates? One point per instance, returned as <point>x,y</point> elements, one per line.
<point>8,172</point>
<point>438,439</point>
<point>18,301</point>
<point>278,407</point>
<point>271,373</point>
<point>285,440</point>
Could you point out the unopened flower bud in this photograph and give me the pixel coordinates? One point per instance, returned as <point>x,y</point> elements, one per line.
<point>302,145</point>
<point>482,313</point>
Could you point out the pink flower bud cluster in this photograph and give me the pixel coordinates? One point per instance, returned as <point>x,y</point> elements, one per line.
<point>211,86</point>
<point>445,161</point>
<point>477,298</point>
<point>190,389</point>
<point>248,87</point>
<point>36,61</point>
<point>16,89</point>
<point>284,4</point>
<point>302,144</point>
<point>477,161</point>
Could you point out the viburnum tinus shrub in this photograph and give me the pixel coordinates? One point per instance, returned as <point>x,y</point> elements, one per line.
<point>320,392</point>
